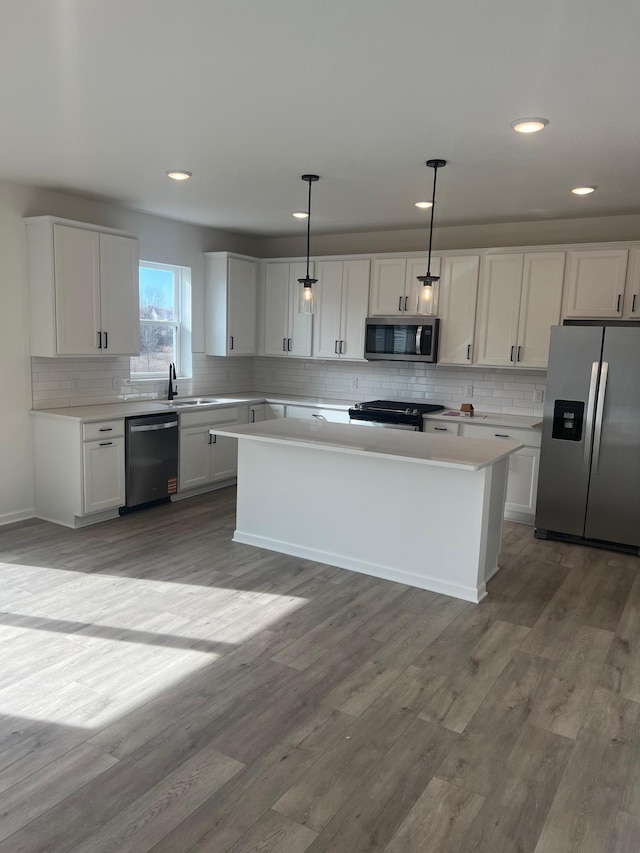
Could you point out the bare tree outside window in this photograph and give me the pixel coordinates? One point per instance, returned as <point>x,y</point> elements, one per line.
<point>158,321</point>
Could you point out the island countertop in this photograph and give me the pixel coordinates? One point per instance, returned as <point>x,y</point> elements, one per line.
<point>415,447</point>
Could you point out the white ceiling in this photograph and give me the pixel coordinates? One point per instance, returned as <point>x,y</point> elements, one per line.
<point>100,97</point>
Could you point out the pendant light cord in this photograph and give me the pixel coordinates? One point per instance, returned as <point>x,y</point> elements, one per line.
<point>308,227</point>
<point>433,204</point>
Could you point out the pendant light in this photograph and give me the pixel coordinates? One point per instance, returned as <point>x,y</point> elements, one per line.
<point>428,280</point>
<point>307,282</point>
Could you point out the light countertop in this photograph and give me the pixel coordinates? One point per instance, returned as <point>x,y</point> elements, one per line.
<point>414,447</point>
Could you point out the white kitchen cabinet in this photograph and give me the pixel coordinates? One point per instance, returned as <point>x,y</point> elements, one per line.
<point>320,413</point>
<point>287,330</point>
<point>440,428</point>
<point>395,289</point>
<point>205,459</point>
<point>519,299</point>
<point>265,412</point>
<point>230,304</point>
<point>79,469</point>
<point>631,308</point>
<point>595,283</point>
<point>83,289</point>
<point>340,303</point>
<point>524,464</point>
<point>104,474</point>
<point>457,308</point>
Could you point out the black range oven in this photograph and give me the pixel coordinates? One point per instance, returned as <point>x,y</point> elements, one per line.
<point>396,414</point>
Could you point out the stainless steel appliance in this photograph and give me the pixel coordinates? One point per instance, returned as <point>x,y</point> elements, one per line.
<point>589,484</point>
<point>151,457</point>
<point>392,413</point>
<point>402,339</point>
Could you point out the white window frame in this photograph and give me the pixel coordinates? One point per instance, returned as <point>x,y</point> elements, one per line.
<point>181,322</point>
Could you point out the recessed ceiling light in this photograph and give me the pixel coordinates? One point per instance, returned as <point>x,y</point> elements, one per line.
<point>529,125</point>
<point>178,174</point>
<point>301,214</point>
<point>583,190</point>
<point>424,204</point>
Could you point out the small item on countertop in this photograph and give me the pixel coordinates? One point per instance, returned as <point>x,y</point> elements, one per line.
<point>467,409</point>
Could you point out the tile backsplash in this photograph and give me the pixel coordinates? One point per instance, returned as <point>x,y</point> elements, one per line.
<point>61,382</point>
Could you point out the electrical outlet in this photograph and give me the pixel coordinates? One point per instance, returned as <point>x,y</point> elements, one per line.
<point>468,390</point>
<point>354,384</point>
<point>538,396</point>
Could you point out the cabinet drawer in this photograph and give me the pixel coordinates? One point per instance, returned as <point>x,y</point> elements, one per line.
<point>337,416</point>
<point>203,417</point>
<point>528,437</point>
<point>104,429</point>
<point>439,428</point>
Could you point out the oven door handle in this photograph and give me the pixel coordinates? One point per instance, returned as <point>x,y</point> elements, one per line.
<point>419,331</point>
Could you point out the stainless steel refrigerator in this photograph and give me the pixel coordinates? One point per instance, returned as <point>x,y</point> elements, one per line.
<point>589,483</point>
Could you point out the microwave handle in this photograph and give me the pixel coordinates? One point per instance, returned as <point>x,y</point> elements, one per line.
<point>419,340</point>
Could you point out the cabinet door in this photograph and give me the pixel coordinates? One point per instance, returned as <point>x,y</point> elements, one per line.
<point>224,458</point>
<point>327,310</point>
<point>103,474</point>
<point>632,289</point>
<point>522,481</point>
<point>276,309</point>
<point>241,308</point>
<point>299,323</point>
<point>595,283</point>
<point>498,306</point>
<point>195,457</point>
<point>540,305</point>
<point>420,299</point>
<point>457,308</point>
<point>387,287</point>
<point>77,288</point>
<point>355,297</point>
<point>119,295</point>
<point>257,413</point>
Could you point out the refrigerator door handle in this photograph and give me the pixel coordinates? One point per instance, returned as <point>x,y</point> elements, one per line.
<point>597,434</point>
<point>588,425</point>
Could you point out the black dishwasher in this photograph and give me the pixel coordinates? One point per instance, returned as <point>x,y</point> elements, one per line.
<point>151,459</point>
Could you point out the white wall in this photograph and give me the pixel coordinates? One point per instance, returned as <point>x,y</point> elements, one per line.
<point>161,240</point>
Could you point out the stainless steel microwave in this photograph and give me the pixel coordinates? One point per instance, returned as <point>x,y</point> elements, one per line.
<point>402,339</point>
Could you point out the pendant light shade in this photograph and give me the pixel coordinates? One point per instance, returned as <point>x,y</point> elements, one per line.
<point>429,280</point>
<point>307,282</point>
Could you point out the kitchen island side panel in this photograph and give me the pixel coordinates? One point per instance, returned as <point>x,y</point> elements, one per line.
<point>422,525</point>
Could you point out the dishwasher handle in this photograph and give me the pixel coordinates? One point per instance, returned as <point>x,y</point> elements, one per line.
<point>150,427</point>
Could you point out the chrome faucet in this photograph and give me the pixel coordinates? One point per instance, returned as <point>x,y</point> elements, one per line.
<point>173,392</point>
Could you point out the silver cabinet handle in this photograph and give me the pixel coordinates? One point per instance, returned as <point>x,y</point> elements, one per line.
<point>618,302</point>
<point>597,433</point>
<point>105,443</point>
<point>588,420</point>
<point>418,339</point>
<point>154,427</point>
<point>335,348</point>
<point>284,345</point>
<point>468,352</point>
<point>400,304</point>
<point>289,344</point>
<point>343,347</point>
<point>319,417</point>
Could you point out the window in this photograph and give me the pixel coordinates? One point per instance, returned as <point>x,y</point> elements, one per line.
<point>164,321</point>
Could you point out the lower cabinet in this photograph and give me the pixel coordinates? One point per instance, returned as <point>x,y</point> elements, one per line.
<point>204,458</point>
<point>103,474</point>
<point>265,412</point>
<point>522,481</point>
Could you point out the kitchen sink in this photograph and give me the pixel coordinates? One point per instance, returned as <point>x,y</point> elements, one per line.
<point>199,401</point>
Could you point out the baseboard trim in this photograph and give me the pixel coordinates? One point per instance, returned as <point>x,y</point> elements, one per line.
<point>432,584</point>
<point>202,490</point>
<point>18,515</point>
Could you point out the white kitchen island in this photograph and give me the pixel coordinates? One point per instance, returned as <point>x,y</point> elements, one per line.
<point>411,507</point>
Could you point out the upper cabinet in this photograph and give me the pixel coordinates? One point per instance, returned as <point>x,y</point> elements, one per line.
<point>83,289</point>
<point>519,300</point>
<point>230,304</point>
<point>631,307</point>
<point>340,308</point>
<point>595,286</point>
<point>395,289</point>
<point>457,308</point>
<point>287,329</point>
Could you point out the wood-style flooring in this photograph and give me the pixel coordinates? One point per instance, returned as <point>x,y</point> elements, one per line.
<point>164,689</point>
